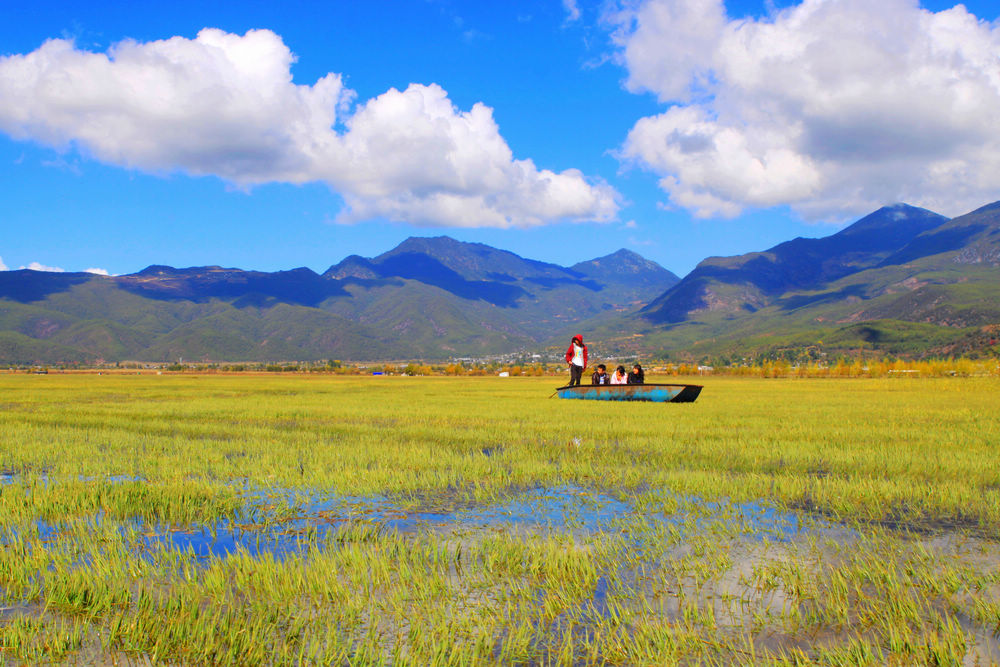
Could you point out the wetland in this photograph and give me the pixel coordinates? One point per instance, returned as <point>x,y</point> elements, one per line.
<point>199,519</point>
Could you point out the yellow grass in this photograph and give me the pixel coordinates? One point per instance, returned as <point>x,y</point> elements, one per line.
<point>895,480</point>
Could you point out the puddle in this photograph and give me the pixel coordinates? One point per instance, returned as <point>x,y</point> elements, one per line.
<point>580,511</point>
<point>574,510</point>
<point>220,540</point>
<point>571,509</point>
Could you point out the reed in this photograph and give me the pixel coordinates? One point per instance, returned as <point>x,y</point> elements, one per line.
<point>797,521</point>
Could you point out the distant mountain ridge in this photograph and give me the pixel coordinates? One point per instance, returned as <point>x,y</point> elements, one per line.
<point>750,281</point>
<point>901,279</point>
<point>426,298</point>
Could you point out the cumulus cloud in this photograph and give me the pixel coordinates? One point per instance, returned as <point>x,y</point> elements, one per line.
<point>410,155</point>
<point>3,267</point>
<point>225,105</point>
<point>829,106</point>
<point>35,266</point>
<point>99,272</point>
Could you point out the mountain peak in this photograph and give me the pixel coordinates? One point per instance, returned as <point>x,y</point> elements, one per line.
<point>156,269</point>
<point>625,254</point>
<point>624,265</point>
<point>164,270</point>
<point>471,261</point>
<point>745,283</point>
<point>622,256</point>
<point>429,243</point>
<point>352,266</point>
<point>895,217</point>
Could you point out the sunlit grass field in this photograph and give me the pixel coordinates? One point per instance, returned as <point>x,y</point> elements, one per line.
<point>838,521</point>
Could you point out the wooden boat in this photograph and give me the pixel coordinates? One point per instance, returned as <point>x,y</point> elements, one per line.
<point>659,393</point>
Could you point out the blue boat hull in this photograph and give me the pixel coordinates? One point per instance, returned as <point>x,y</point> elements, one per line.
<point>657,393</point>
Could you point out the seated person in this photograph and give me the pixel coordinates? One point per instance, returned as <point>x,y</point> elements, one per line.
<point>636,376</point>
<point>600,376</point>
<point>619,376</point>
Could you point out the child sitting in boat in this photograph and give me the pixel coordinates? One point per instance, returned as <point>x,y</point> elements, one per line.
<point>636,376</point>
<point>619,376</point>
<point>600,376</point>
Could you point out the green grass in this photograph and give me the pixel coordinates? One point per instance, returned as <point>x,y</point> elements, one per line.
<point>896,479</point>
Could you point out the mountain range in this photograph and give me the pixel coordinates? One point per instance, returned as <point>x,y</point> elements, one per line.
<point>430,298</point>
<point>902,280</point>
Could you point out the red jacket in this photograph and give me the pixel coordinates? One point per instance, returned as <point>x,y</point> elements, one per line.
<point>569,352</point>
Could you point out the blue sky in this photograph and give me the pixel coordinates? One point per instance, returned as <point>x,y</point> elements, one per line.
<point>676,128</point>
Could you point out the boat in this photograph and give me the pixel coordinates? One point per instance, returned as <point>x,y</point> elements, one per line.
<point>657,393</point>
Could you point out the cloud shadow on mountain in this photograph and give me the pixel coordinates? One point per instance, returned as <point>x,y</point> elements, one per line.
<point>421,267</point>
<point>925,245</point>
<point>26,285</point>
<point>245,289</point>
<point>796,301</point>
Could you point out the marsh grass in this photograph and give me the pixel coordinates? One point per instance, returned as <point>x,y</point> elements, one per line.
<point>838,522</point>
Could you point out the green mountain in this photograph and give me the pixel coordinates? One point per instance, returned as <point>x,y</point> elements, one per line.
<point>749,282</point>
<point>431,298</point>
<point>901,280</point>
<point>470,298</point>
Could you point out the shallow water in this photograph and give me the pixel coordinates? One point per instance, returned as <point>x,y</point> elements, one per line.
<point>750,534</point>
<point>568,508</point>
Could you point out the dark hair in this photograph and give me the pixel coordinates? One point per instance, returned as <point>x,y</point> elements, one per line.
<point>602,367</point>
<point>620,369</point>
<point>636,365</point>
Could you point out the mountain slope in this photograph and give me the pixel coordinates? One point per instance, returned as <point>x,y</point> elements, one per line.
<point>901,280</point>
<point>936,287</point>
<point>427,298</point>
<point>971,239</point>
<point>630,272</point>
<point>750,282</point>
<point>524,299</point>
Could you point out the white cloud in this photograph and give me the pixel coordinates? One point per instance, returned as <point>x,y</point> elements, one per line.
<point>35,266</point>
<point>225,105</point>
<point>831,106</point>
<point>668,67</point>
<point>572,10</point>
<point>99,272</point>
<point>3,267</point>
<point>410,155</point>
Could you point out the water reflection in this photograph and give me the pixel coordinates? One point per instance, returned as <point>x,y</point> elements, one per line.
<point>572,509</point>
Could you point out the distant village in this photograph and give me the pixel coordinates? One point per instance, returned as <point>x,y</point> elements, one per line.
<point>537,365</point>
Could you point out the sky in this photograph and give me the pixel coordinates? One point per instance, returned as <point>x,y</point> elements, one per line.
<point>269,136</point>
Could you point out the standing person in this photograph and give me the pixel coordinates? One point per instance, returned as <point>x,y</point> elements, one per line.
<point>600,376</point>
<point>619,376</point>
<point>576,357</point>
<point>636,376</point>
